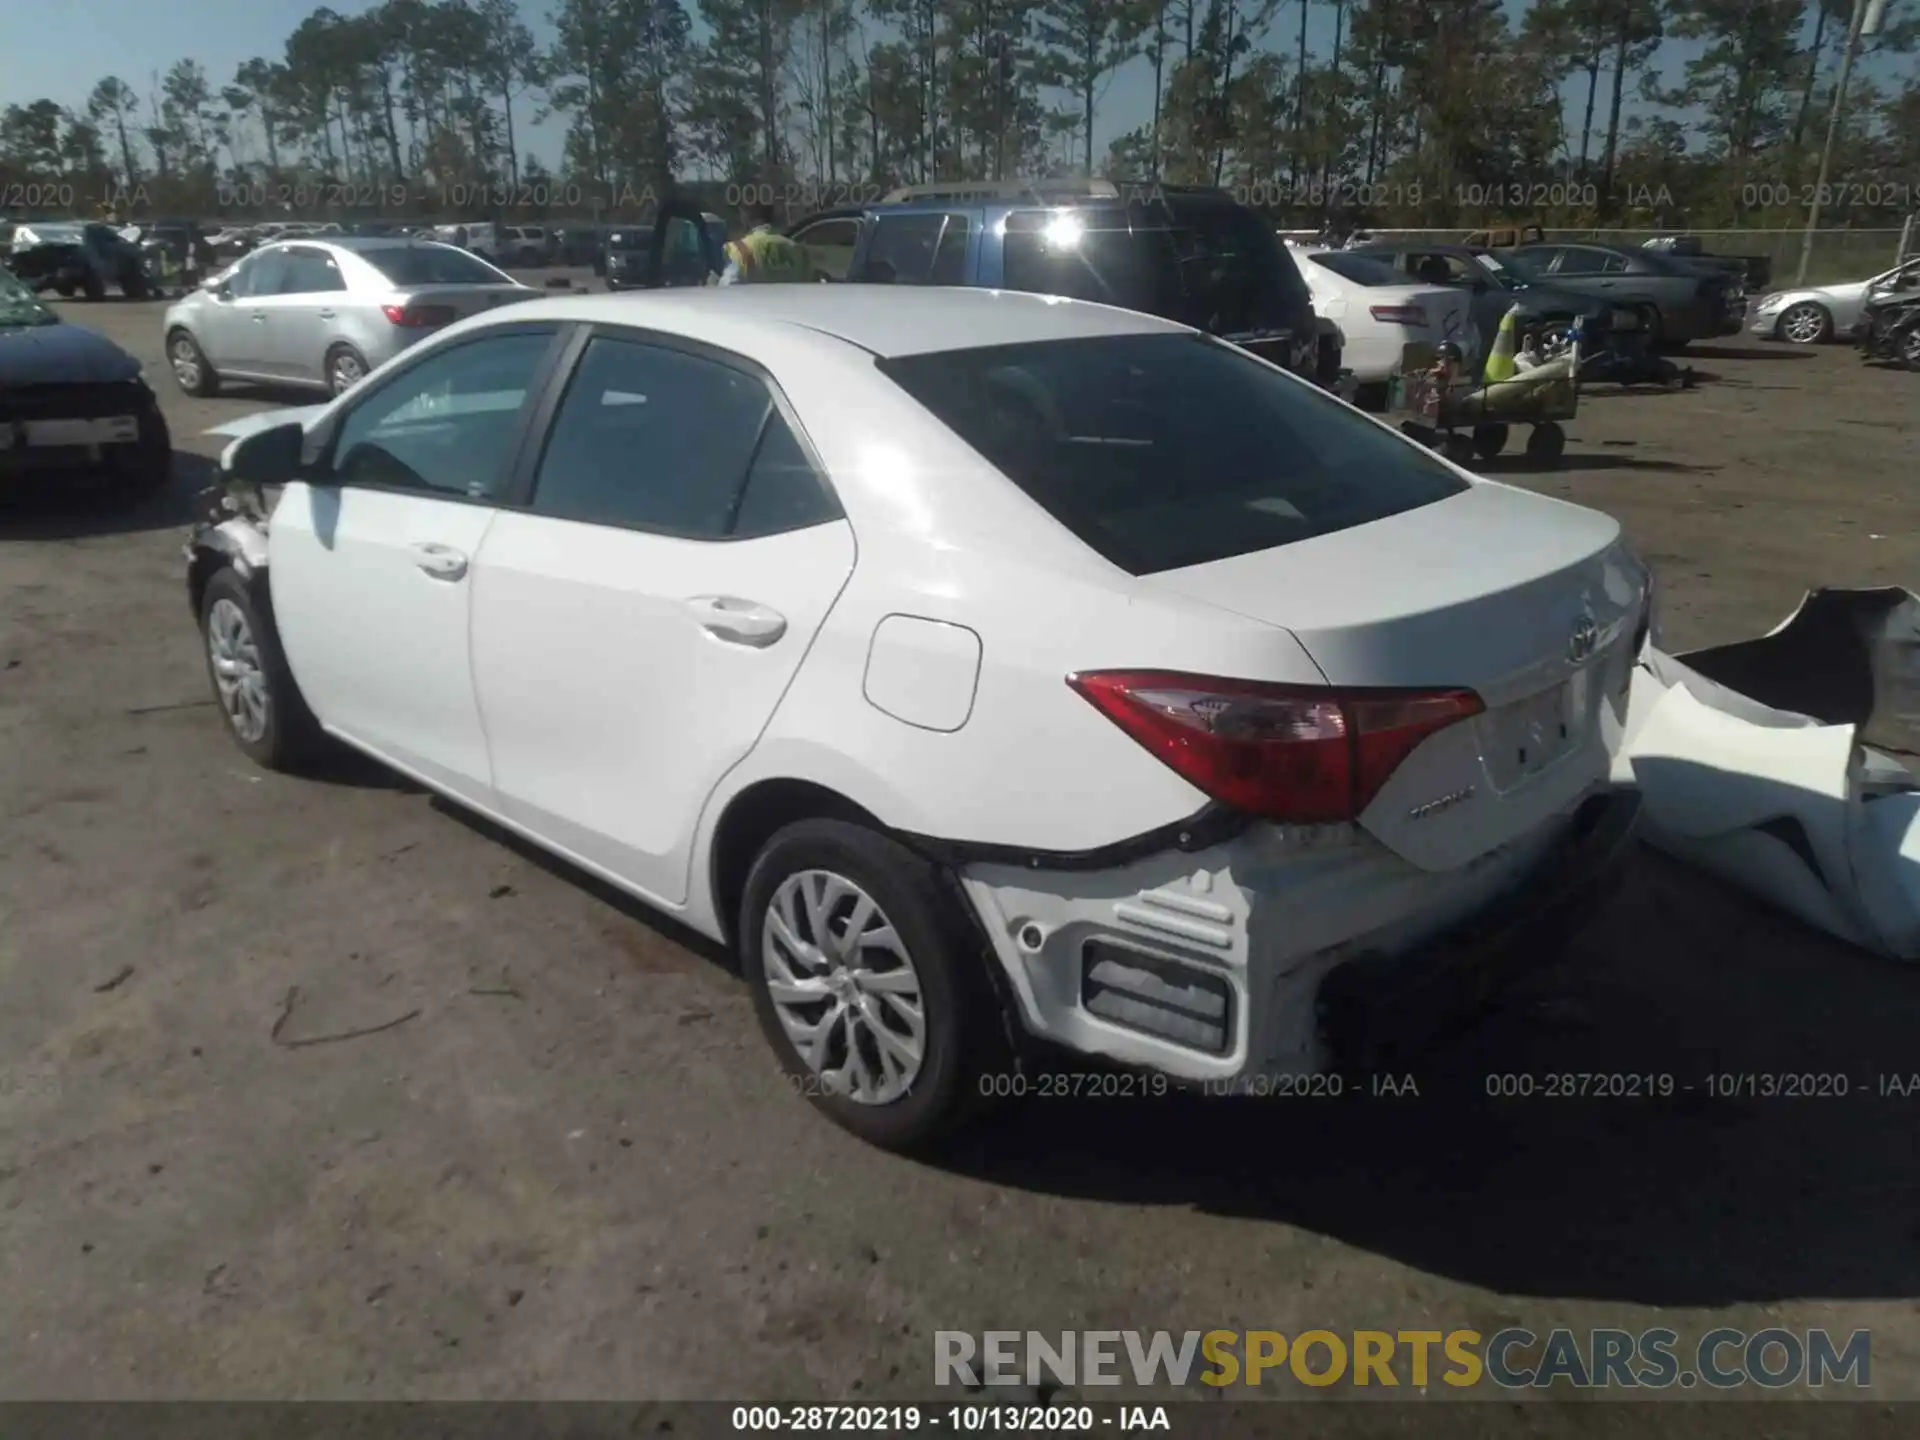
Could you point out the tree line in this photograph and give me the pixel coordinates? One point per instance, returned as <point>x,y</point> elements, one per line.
<point>1444,112</point>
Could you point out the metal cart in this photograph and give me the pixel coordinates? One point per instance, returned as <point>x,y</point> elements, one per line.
<point>1437,414</point>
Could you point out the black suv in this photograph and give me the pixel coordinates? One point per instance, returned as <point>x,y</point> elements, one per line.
<point>1187,254</point>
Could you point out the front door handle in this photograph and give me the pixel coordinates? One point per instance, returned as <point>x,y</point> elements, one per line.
<point>260,315</point>
<point>740,621</point>
<point>442,562</point>
<point>326,314</point>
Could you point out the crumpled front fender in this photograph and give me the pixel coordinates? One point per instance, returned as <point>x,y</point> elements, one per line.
<point>1784,764</point>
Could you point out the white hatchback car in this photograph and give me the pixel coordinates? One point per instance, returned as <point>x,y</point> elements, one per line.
<point>979,666</point>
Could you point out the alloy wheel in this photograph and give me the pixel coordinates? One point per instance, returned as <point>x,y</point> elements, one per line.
<point>1803,324</point>
<point>237,672</point>
<point>186,364</point>
<point>844,988</point>
<point>1910,348</point>
<point>347,372</point>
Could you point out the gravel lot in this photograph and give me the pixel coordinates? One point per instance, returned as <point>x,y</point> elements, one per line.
<point>578,1173</point>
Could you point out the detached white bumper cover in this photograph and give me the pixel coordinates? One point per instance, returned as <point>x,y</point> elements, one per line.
<point>1784,764</point>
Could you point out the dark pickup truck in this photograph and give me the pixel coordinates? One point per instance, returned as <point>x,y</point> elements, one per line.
<point>1755,271</point>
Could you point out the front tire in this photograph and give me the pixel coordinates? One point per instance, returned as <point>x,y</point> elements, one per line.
<point>256,693</point>
<point>865,982</point>
<point>191,372</point>
<point>1804,324</point>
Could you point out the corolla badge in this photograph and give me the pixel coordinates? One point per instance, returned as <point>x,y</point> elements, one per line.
<point>1585,637</point>
<point>1445,802</point>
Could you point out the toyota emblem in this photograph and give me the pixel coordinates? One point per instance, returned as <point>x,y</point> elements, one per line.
<point>1586,635</point>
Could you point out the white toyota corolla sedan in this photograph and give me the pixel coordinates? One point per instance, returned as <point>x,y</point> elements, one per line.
<point>993,673</point>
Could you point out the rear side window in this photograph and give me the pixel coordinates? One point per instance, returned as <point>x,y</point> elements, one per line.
<point>432,265</point>
<point>918,250</point>
<point>650,438</point>
<point>1162,451</point>
<point>1358,268</point>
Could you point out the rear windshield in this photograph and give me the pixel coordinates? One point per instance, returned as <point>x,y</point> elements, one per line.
<point>432,265</point>
<point>1214,266</point>
<point>1358,268</point>
<point>1161,451</point>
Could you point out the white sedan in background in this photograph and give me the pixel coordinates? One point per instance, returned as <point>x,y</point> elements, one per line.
<point>978,666</point>
<point>1815,314</point>
<point>1379,314</point>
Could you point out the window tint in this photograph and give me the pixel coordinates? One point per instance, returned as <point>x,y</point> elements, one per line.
<point>1216,267</point>
<point>261,275</point>
<point>651,438</point>
<point>783,492</point>
<point>1357,268</point>
<point>434,265</point>
<point>918,250</point>
<point>1614,265</point>
<point>310,271</point>
<point>447,424</point>
<point>830,245</point>
<point>1161,451</point>
<point>1580,262</point>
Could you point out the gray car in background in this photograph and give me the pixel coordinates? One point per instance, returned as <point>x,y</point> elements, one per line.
<point>325,313</point>
<point>1815,314</point>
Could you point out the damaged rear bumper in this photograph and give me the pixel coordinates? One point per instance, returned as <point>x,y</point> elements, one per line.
<point>1286,951</point>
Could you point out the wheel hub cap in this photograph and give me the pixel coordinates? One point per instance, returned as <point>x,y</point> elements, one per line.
<point>237,673</point>
<point>844,988</point>
<point>186,369</point>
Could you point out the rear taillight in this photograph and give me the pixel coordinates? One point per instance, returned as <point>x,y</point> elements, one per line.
<point>1399,315</point>
<point>418,317</point>
<point>1295,753</point>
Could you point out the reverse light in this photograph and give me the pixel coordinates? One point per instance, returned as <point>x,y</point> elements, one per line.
<point>1299,754</point>
<point>1399,315</point>
<point>418,317</point>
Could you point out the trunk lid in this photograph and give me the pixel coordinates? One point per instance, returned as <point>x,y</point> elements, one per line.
<point>1532,603</point>
<point>461,300</point>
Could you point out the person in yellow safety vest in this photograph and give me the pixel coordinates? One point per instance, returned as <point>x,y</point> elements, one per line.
<point>1501,363</point>
<point>764,256</point>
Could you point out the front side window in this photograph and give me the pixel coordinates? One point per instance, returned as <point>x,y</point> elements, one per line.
<point>651,438</point>
<point>310,272</point>
<point>830,245</point>
<point>1162,451</point>
<point>446,425</point>
<point>261,275</point>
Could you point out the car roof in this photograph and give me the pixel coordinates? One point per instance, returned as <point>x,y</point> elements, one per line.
<point>884,320</point>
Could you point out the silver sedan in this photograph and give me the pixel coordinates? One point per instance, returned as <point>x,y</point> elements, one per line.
<point>1815,314</point>
<point>325,312</point>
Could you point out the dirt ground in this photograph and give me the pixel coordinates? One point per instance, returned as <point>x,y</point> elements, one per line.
<point>576,1172</point>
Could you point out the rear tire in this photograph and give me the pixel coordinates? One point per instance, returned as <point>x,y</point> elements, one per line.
<point>346,367</point>
<point>93,287</point>
<point>1547,443</point>
<point>1910,348</point>
<point>64,289</point>
<point>835,871</point>
<point>272,724</point>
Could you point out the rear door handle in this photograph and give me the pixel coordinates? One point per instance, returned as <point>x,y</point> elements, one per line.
<point>260,315</point>
<point>442,562</point>
<point>743,622</point>
<point>326,314</point>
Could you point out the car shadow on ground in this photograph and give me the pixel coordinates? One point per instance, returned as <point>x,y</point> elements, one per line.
<point>1694,1199</point>
<point>72,507</point>
<point>1743,352</point>
<point>665,926</point>
<point>1519,464</point>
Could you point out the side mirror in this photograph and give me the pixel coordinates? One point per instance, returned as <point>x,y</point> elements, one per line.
<point>266,457</point>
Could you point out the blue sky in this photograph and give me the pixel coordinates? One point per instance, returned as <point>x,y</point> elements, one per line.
<point>135,39</point>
